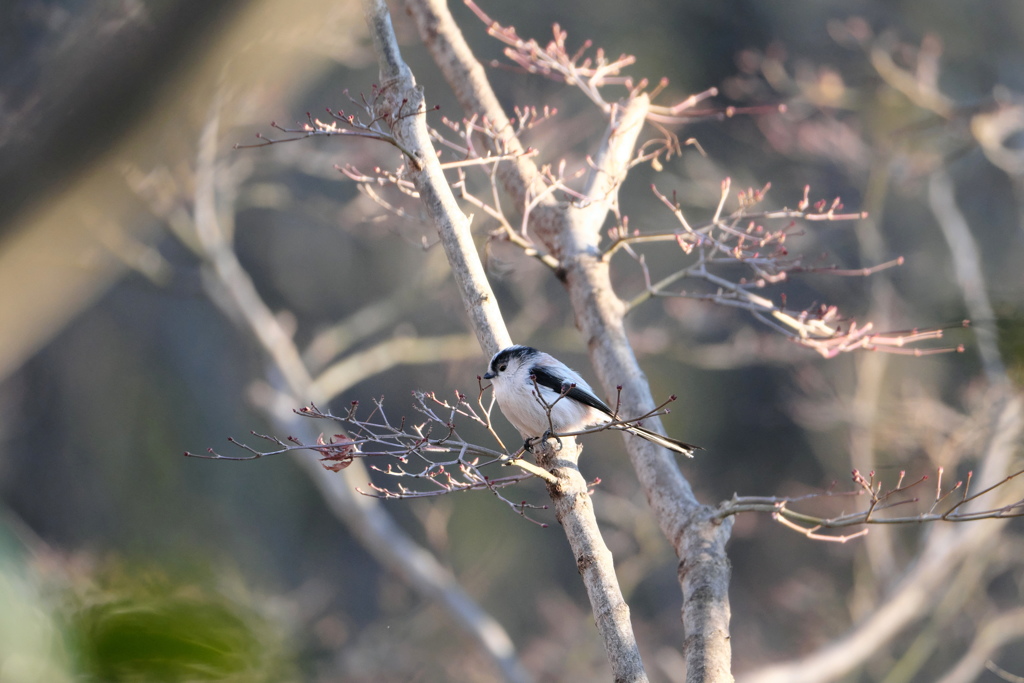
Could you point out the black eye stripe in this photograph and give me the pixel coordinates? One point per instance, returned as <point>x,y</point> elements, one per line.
<point>501,359</point>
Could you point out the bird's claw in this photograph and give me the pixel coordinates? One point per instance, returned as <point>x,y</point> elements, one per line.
<point>549,435</point>
<point>533,441</point>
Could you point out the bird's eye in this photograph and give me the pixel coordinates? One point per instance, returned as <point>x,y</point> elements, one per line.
<point>502,368</point>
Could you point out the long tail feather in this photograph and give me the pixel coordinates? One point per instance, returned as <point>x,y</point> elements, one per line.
<point>667,442</point>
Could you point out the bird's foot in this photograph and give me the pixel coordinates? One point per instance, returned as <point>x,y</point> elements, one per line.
<point>549,435</point>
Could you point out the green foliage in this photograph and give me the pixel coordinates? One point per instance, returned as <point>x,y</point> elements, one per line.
<point>1010,326</point>
<point>150,628</point>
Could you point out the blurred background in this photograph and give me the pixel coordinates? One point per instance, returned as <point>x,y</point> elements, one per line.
<point>121,349</point>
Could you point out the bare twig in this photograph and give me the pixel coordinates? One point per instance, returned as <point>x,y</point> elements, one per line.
<point>881,499</point>
<point>741,239</point>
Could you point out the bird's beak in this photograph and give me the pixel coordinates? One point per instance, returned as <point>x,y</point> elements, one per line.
<point>488,375</point>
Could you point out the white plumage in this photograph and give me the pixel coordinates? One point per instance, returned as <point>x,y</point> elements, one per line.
<point>519,372</point>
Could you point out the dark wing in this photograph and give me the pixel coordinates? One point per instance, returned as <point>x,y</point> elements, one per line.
<point>546,379</point>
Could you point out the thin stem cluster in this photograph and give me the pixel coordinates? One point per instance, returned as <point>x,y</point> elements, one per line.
<point>952,504</point>
<point>754,240</point>
<point>427,457</point>
<point>341,123</point>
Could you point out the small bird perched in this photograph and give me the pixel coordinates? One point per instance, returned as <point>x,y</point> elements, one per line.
<point>518,373</point>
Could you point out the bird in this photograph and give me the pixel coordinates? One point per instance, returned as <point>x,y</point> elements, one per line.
<point>566,402</point>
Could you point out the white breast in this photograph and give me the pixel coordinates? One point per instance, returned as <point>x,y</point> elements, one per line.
<point>520,406</point>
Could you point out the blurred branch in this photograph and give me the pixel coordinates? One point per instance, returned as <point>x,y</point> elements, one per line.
<point>362,365</point>
<point>914,595</point>
<point>215,248</point>
<point>921,86</point>
<point>373,317</point>
<point>967,265</point>
<point>1003,673</point>
<point>993,636</point>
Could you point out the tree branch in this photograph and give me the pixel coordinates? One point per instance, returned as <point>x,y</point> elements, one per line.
<point>571,235</point>
<point>593,557</point>
<point>401,106</point>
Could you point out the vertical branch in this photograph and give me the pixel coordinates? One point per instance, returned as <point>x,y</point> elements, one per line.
<point>401,94</point>
<point>571,234</point>
<point>698,539</point>
<point>574,510</point>
<point>403,107</point>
